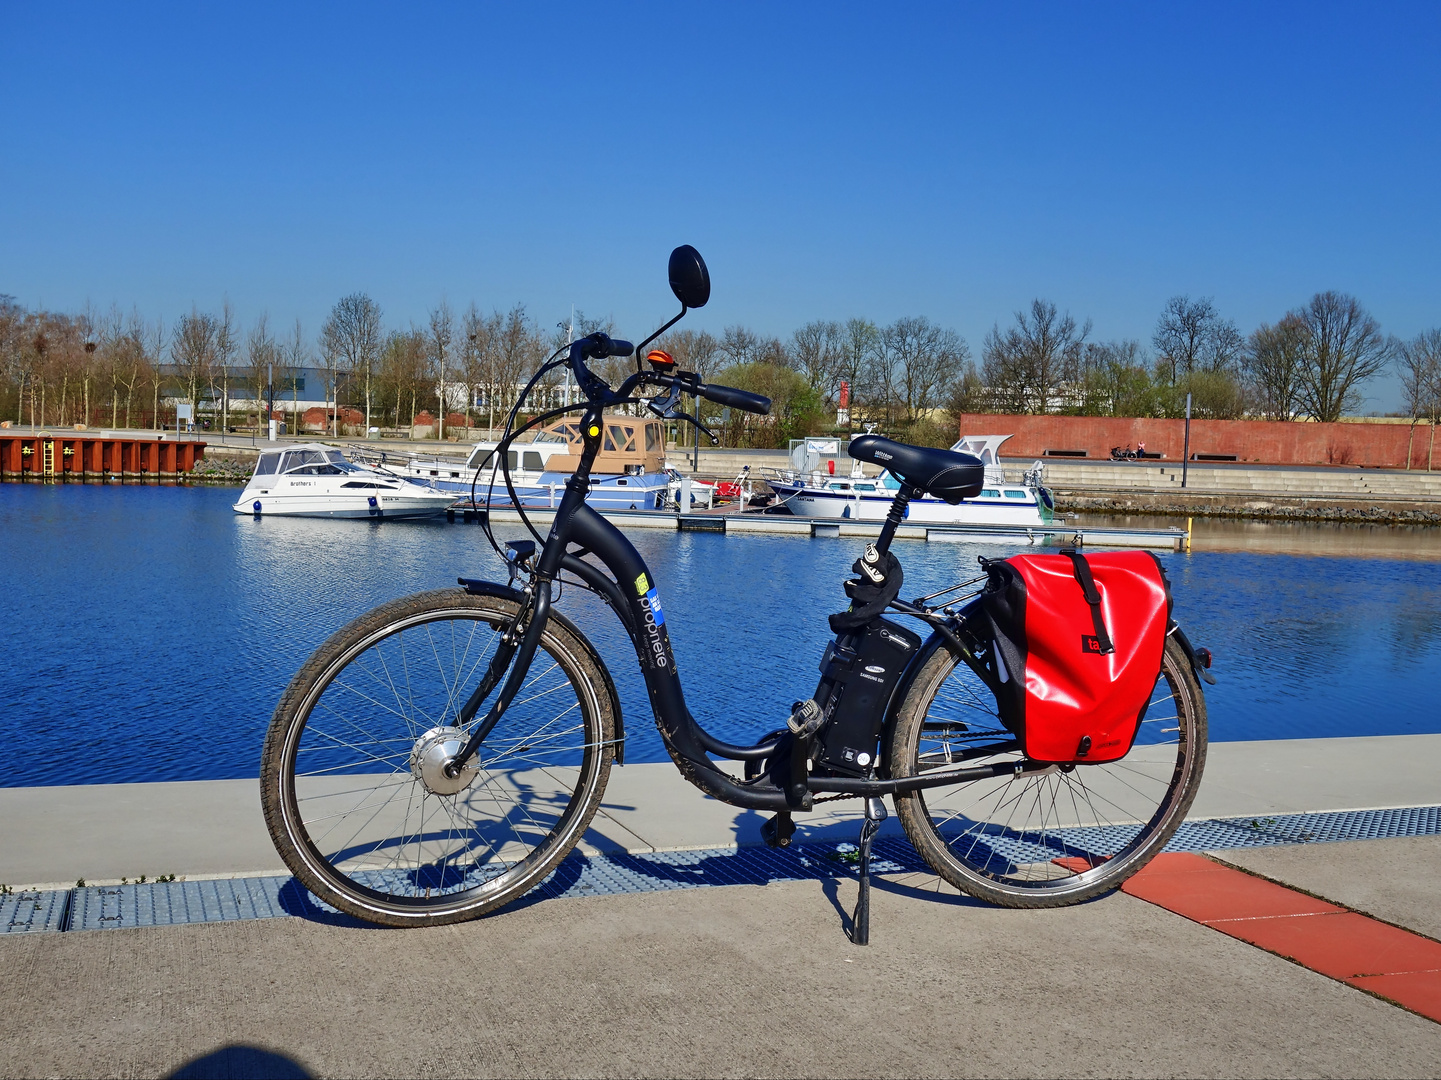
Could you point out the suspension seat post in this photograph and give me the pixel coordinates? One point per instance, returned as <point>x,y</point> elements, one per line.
<point>894,516</point>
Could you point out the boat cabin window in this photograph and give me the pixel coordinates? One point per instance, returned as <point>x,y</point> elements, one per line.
<point>1015,494</point>
<point>990,493</point>
<point>618,438</point>
<point>865,487</point>
<point>652,437</point>
<point>267,464</point>
<point>335,457</point>
<point>532,461</point>
<point>294,459</point>
<point>512,459</point>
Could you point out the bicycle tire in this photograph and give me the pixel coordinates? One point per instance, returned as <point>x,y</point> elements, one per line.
<point>362,719</point>
<point>1051,838</point>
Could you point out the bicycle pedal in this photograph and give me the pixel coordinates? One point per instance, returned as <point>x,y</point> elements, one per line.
<point>805,719</point>
<point>777,831</point>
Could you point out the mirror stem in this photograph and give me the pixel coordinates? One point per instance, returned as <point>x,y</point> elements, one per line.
<point>640,349</point>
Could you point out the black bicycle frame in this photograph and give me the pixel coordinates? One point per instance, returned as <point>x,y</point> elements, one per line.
<point>631,592</point>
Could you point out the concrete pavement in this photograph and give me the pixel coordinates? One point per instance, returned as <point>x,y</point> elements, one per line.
<point>737,981</point>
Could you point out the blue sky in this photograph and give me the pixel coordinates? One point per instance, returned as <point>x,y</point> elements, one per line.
<point>829,160</point>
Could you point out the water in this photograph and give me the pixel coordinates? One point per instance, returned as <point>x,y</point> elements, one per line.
<point>147,632</point>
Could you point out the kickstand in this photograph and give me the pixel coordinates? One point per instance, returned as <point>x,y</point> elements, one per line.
<point>861,920</point>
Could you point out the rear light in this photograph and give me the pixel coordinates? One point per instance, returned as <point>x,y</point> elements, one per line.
<point>1204,655</point>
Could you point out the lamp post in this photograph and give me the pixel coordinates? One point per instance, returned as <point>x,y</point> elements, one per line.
<point>89,357</point>
<point>1186,451</point>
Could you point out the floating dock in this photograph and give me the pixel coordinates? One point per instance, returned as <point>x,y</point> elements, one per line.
<point>754,524</point>
<point>95,457</point>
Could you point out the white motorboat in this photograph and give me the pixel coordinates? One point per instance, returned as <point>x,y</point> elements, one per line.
<point>629,474</point>
<point>809,491</point>
<point>311,480</point>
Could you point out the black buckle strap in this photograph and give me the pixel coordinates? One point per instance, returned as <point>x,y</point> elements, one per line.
<point>1082,571</point>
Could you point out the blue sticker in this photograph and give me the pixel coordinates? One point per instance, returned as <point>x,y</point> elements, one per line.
<point>652,600</point>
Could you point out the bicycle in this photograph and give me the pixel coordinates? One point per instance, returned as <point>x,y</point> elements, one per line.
<point>437,757</point>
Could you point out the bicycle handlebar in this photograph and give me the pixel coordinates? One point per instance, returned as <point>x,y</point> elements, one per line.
<point>737,399</point>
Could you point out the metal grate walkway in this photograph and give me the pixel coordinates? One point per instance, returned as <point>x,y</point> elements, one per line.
<point>231,899</point>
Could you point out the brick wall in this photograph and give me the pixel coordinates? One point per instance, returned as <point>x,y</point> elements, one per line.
<point>1265,441</point>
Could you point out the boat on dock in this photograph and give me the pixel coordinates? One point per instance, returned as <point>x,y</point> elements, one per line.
<point>809,491</point>
<point>630,472</point>
<point>313,480</point>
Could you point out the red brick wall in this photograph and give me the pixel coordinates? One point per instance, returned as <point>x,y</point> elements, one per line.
<point>1265,441</point>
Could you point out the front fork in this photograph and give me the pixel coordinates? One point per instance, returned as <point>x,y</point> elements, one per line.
<point>515,651</point>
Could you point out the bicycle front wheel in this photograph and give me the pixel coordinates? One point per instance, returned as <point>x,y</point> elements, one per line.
<point>352,778</point>
<point>1058,834</point>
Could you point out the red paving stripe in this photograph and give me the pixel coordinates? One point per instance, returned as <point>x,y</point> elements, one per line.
<point>1419,991</point>
<point>1329,939</point>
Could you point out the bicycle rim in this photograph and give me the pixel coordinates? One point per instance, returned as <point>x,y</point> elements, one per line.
<point>1054,835</point>
<point>368,820</point>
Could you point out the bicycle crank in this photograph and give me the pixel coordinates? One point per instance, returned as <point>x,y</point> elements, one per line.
<point>434,750</point>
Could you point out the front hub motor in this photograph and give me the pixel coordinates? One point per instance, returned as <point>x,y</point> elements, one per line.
<point>432,752</point>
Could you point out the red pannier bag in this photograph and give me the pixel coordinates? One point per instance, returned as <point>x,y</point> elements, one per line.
<point>1078,642</point>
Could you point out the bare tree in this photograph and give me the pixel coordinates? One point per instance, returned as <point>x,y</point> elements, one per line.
<point>296,357</point>
<point>741,345</point>
<point>857,349</point>
<point>227,347</point>
<point>518,349</point>
<point>1191,336</point>
<point>442,331</point>
<point>193,351</point>
<point>1027,368</point>
<point>404,371</point>
<point>261,359</point>
<point>1273,366</point>
<point>13,320</point>
<point>351,338</point>
<point>127,359</point>
<point>1418,362</point>
<point>922,360</point>
<point>477,359</point>
<point>815,352</point>
<point>1342,347</point>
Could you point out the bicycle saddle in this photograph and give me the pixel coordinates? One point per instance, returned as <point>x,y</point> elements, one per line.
<point>944,473</point>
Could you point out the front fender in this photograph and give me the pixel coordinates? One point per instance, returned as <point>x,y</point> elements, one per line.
<point>476,587</point>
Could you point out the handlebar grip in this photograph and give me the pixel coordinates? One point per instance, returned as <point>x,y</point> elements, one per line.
<point>599,346</point>
<point>737,399</point>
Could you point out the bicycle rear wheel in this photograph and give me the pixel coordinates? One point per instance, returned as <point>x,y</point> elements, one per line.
<point>1054,836</point>
<point>352,777</point>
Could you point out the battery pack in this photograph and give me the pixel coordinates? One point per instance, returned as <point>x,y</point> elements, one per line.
<point>865,680</point>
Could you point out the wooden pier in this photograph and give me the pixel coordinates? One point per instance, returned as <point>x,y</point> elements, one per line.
<point>95,457</point>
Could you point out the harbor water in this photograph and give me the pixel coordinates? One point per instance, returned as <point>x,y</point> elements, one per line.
<point>148,632</point>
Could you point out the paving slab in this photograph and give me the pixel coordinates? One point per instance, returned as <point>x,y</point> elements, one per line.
<point>105,832</point>
<point>1397,880</point>
<point>743,980</point>
<point>1279,776</point>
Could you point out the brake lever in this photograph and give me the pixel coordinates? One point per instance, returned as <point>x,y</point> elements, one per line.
<point>714,439</point>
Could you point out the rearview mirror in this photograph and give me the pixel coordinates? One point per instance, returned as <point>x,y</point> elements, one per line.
<point>689,279</point>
